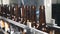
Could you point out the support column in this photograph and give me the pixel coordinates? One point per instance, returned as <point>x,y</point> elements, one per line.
<point>48,10</point>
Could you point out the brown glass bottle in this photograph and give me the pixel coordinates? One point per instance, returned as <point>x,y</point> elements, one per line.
<point>22,13</point>
<point>42,21</point>
<point>42,15</point>
<point>0,11</point>
<point>16,13</point>
<point>11,11</point>
<point>9,15</point>
<point>4,11</point>
<point>27,13</point>
<point>33,15</point>
<point>8,11</point>
<point>19,14</point>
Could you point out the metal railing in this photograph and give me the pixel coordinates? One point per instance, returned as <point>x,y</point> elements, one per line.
<point>29,30</point>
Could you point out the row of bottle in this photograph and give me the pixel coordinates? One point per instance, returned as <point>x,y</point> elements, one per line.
<point>25,15</point>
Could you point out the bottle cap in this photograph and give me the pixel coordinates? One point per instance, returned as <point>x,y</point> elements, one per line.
<point>42,7</point>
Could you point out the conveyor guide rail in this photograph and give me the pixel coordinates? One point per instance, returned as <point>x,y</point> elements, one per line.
<point>29,30</point>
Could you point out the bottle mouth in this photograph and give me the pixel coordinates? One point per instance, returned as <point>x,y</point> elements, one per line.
<point>33,7</point>
<point>42,7</point>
